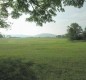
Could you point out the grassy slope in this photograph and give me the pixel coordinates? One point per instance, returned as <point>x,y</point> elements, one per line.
<point>61,59</point>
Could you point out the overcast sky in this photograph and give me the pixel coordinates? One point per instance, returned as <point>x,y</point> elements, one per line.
<point>63,19</point>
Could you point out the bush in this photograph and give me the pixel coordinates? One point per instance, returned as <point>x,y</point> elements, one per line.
<point>16,69</point>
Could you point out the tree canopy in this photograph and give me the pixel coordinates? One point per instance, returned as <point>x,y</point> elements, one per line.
<point>40,11</point>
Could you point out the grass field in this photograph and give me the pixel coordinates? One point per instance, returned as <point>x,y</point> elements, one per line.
<point>56,59</point>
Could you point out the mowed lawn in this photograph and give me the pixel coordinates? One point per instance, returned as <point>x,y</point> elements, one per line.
<point>59,59</point>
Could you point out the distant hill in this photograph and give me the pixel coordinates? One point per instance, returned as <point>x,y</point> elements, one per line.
<point>24,36</point>
<point>45,35</point>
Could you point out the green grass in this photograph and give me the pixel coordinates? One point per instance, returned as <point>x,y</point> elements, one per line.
<point>56,59</point>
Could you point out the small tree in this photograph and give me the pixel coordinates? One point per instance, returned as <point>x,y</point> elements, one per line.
<point>75,32</point>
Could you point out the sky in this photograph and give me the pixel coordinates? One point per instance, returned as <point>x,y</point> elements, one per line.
<point>63,19</point>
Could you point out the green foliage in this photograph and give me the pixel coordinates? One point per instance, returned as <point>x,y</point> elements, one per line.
<point>3,15</point>
<point>15,69</point>
<point>3,24</point>
<point>75,32</point>
<point>40,11</point>
<point>84,34</point>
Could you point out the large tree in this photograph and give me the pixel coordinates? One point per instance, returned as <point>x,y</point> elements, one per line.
<point>75,32</point>
<point>40,11</point>
<point>84,34</point>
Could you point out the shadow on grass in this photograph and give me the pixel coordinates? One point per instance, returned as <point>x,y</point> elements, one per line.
<point>16,69</point>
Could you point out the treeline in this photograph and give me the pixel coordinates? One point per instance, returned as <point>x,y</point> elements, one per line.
<point>75,32</point>
<point>61,36</point>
